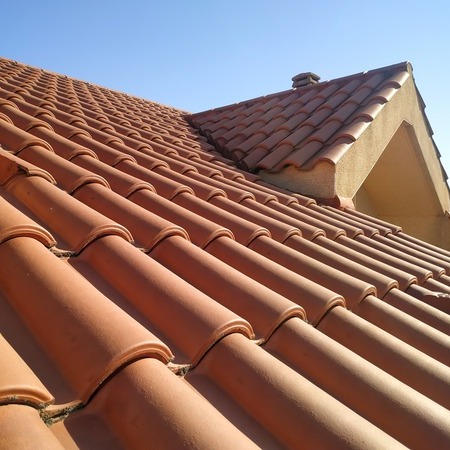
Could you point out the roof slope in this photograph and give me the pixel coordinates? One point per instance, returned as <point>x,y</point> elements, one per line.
<point>152,294</point>
<point>305,125</point>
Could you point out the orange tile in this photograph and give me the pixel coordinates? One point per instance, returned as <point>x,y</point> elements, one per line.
<point>294,401</point>
<point>383,283</point>
<point>242,229</point>
<point>14,224</point>
<point>351,288</point>
<point>262,307</point>
<point>419,335</point>
<point>74,315</point>
<point>147,228</point>
<point>72,224</point>
<point>145,284</point>
<point>18,383</point>
<point>22,428</point>
<point>392,406</point>
<point>141,406</point>
<point>347,103</point>
<point>314,298</point>
<point>421,311</point>
<point>404,362</point>
<point>68,176</point>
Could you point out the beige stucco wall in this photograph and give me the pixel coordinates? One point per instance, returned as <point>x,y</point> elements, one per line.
<point>399,183</point>
<point>435,230</point>
<point>319,182</point>
<point>404,108</point>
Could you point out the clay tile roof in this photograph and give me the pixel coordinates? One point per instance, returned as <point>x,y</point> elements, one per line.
<point>302,126</point>
<point>154,294</point>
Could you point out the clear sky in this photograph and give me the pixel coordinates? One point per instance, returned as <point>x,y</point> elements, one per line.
<point>198,54</point>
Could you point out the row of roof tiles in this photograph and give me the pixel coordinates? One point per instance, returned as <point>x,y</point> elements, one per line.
<point>152,292</point>
<point>302,126</point>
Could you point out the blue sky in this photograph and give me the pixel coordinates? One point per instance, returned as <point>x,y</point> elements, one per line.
<point>198,54</point>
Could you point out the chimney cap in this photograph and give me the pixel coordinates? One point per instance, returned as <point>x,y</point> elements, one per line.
<point>305,79</point>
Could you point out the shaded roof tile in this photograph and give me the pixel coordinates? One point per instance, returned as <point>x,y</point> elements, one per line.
<point>147,228</point>
<point>147,394</point>
<point>145,284</point>
<point>355,383</point>
<point>18,383</point>
<point>389,353</point>
<point>262,307</point>
<point>247,360</point>
<point>74,315</point>
<point>314,298</point>
<point>23,428</point>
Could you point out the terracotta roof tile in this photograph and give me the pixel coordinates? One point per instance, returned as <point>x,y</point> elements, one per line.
<point>389,353</point>
<point>315,117</point>
<point>351,380</point>
<point>23,428</point>
<point>146,227</point>
<point>75,316</point>
<point>291,407</point>
<point>138,263</point>
<point>74,224</point>
<point>14,223</point>
<point>18,383</point>
<point>145,284</point>
<point>147,395</point>
<point>262,307</point>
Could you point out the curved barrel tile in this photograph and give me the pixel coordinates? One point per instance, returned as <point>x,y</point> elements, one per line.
<point>201,230</point>
<point>88,348</point>
<point>383,283</point>
<point>147,228</point>
<point>22,429</point>
<point>14,223</point>
<point>119,182</point>
<point>11,165</point>
<point>73,224</point>
<point>352,289</point>
<point>16,140</point>
<point>18,383</point>
<point>262,307</point>
<point>295,402</point>
<point>314,298</point>
<point>160,295</point>
<point>279,231</point>
<point>378,397</point>
<point>401,360</point>
<point>147,405</point>
<point>68,176</point>
<point>243,230</point>
<point>419,335</point>
<point>421,311</point>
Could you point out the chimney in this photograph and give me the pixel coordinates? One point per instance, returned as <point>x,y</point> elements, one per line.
<point>305,79</point>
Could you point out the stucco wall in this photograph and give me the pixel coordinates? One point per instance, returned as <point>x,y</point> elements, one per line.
<point>435,230</point>
<point>319,182</point>
<point>357,163</point>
